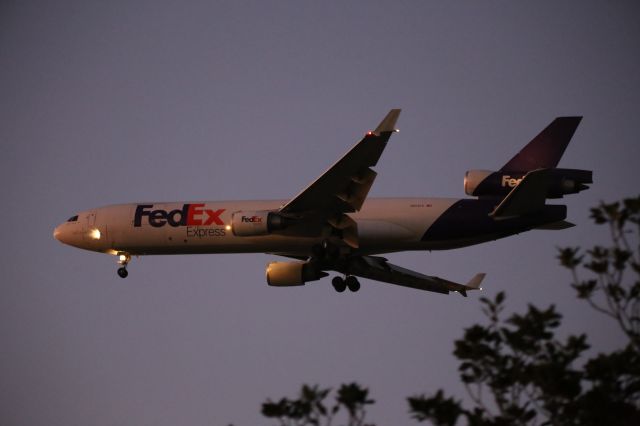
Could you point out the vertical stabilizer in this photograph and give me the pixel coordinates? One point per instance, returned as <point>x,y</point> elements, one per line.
<point>545,150</point>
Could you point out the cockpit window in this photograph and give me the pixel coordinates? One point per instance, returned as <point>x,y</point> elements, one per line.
<point>73,219</point>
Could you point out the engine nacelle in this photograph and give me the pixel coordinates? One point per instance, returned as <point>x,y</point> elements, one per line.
<point>255,223</point>
<point>473,178</point>
<point>287,274</point>
<point>486,183</point>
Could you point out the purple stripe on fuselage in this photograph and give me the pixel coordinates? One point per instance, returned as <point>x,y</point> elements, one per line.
<point>469,219</point>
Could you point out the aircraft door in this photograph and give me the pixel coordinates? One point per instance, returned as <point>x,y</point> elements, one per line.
<point>91,219</point>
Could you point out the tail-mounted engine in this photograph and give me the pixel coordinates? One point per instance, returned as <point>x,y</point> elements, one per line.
<point>287,274</point>
<point>255,223</point>
<point>486,183</point>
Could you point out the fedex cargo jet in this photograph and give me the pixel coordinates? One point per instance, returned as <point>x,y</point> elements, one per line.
<point>331,226</point>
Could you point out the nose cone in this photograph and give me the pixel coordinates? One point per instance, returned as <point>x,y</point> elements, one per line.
<point>62,233</point>
<point>56,232</point>
<point>68,233</point>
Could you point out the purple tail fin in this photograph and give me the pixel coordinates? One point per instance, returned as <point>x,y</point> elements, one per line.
<point>544,151</point>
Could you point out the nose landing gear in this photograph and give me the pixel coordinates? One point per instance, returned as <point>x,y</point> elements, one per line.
<point>123,261</point>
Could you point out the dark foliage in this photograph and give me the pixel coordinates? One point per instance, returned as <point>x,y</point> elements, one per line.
<point>310,407</point>
<point>518,372</point>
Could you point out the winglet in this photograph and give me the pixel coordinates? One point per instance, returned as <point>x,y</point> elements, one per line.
<point>473,284</point>
<point>388,124</point>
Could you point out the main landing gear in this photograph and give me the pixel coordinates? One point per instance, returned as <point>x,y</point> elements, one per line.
<point>123,261</point>
<point>341,284</point>
<point>329,255</point>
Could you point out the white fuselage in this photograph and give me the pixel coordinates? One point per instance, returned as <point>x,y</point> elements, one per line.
<point>384,225</point>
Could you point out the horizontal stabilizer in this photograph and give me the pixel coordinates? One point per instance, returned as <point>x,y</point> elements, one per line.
<point>527,197</point>
<point>557,226</point>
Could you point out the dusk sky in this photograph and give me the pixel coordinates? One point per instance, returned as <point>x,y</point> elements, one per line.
<point>119,101</point>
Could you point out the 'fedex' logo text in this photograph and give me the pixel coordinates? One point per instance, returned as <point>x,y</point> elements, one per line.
<point>509,181</point>
<point>251,219</point>
<point>188,215</point>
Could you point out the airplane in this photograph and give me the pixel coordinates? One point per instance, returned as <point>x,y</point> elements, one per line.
<point>331,226</point>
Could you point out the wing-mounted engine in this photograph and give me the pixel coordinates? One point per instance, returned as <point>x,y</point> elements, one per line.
<point>256,223</point>
<point>486,183</point>
<point>287,274</point>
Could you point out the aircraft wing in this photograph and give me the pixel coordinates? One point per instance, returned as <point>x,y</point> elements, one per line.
<point>377,268</point>
<point>344,187</point>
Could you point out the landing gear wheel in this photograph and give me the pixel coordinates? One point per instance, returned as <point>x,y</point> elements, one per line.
<point>123,260</point>
<point>353,283</point>
<point>339,284</point>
